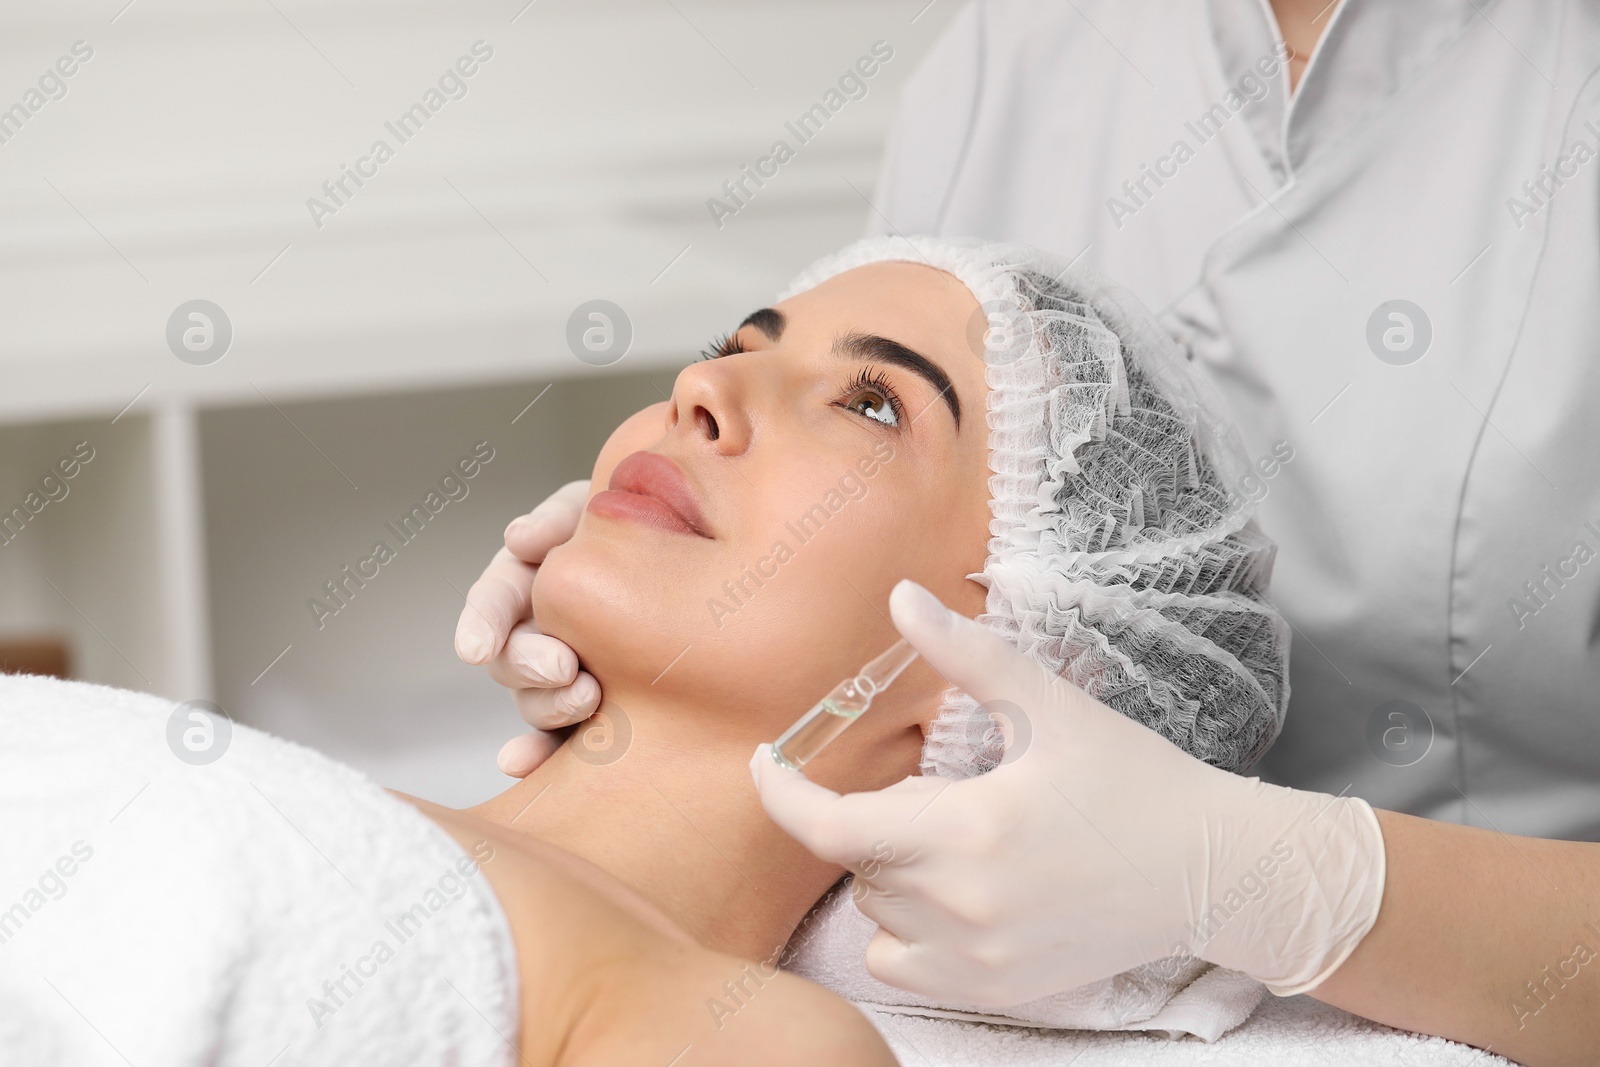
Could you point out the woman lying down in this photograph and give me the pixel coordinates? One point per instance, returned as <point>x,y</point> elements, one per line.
<point>978,418</point>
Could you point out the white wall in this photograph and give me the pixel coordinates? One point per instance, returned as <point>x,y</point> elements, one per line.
<point>578,165</point>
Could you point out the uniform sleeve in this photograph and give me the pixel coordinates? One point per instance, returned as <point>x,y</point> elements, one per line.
<point>931,129</point>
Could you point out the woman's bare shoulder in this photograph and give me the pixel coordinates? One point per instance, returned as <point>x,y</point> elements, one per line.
<point>714,1010</point>
<point>611,980</point>
<point>813,1026</point>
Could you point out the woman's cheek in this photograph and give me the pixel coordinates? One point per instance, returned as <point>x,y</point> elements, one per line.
<point>835,541</point>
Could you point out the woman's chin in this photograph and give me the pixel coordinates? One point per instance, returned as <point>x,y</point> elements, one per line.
<point>601,611</point>
<point>559,601</point>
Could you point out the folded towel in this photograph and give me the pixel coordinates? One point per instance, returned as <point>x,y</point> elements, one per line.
<point>270,907</point>
<point>1172,997</point>
<point>1285,1032</point>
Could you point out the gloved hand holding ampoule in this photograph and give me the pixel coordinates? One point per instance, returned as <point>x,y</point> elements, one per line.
<point>1098,847</point>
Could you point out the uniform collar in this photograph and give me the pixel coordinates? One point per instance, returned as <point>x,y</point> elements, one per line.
<point>1368,51</point>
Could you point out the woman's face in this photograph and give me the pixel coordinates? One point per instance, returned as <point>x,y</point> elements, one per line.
<point>741,539</point>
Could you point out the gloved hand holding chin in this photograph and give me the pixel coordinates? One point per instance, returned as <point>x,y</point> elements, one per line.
<point>497,631</point>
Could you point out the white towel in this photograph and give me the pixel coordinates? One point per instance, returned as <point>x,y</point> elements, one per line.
<point>1173,998</point>
<point>247,912</point>
<point>1288,1032</point>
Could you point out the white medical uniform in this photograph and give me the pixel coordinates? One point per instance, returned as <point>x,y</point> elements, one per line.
<point>1426,497</point>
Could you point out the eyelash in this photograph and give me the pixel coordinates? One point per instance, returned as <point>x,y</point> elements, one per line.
<point>726,345</point>
<point>865,379</point>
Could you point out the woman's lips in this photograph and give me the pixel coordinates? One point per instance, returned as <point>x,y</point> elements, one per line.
<point>648,487</point>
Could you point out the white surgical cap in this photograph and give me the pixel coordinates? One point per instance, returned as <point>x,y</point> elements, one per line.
<point>1122,554</point>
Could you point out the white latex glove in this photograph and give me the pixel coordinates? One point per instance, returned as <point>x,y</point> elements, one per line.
<point>496,629</point>
<point>1096,846</point>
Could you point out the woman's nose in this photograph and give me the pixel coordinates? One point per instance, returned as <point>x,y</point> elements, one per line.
<point>709,402</point>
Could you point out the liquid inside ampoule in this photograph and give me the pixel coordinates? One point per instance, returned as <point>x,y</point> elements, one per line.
<point>817,728</point>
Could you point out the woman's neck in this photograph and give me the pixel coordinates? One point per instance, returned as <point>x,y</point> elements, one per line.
<point>671,812</point>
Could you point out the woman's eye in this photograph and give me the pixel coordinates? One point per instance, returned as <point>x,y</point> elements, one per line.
<point>874,406</point>
<point>873,402</point>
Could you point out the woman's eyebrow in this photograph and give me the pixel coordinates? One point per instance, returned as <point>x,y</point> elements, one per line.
<point>769,321</point>
<point>865,348</point>
<point>869,347</point>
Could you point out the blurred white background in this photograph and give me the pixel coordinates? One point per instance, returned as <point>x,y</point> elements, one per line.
<point>370,353</point>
